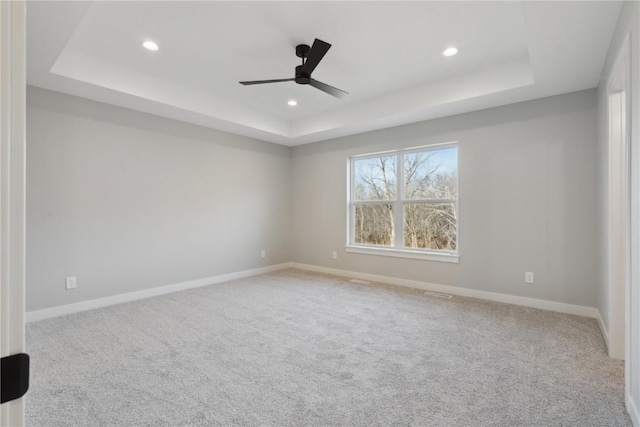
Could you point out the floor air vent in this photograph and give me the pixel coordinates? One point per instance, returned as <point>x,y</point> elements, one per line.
<point>438,294</point>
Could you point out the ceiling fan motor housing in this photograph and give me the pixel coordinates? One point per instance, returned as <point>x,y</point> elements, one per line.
<point>302,78</point>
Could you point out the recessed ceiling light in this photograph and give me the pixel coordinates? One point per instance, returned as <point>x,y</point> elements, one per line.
<point>292,103</point>
<point>149,45</point>
<point>450,51</point>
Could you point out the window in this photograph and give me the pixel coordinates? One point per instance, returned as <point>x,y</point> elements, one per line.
<point>405,203</point>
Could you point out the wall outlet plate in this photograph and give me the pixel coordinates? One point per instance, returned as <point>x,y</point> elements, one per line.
<point>528,277</point>
<point>70,282</point>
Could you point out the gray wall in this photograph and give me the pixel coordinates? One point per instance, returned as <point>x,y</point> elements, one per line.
<point>527,199</point>
<point>127,201</point>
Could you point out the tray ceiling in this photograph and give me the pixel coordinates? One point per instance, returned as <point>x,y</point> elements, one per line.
<point>387,55</point>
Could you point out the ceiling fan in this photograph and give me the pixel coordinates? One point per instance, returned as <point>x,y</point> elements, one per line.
<point>311,57</point>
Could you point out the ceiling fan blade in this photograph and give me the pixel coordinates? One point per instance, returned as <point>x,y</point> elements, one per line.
<point>338,93</point>
<point>317,52</point>
<point>260,82</point>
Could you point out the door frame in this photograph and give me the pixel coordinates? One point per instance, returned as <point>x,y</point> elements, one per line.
<point>619,202</point>
<point>627,214</point>
<point>12,190</point>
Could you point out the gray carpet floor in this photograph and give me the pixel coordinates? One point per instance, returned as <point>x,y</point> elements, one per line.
<point>293,348</point>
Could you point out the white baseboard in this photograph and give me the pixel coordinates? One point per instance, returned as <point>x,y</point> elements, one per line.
<point>465,292</point>
<point>62,310</point>
<point>603,329</point>
<point>633,412</point>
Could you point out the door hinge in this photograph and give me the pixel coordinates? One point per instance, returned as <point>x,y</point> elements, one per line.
<point>14,376</point>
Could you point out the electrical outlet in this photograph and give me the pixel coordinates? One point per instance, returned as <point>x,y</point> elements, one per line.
<point>70,282</point>
<point>334,254</point>
<point>528,277</point>
<point>263,253</point>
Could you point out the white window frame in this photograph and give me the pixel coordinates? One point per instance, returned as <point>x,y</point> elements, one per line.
<point>398,250</point>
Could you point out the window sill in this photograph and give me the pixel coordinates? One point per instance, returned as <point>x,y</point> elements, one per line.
<point>405,253</point>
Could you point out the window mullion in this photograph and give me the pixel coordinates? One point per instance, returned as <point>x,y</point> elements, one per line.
<point>351,236</point>
<point>432,201</point>
<point>399,207</point>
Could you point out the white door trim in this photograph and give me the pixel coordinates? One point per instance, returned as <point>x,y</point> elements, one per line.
<point>619,201</point>
<point>12,190</point>
<point>632,319</point>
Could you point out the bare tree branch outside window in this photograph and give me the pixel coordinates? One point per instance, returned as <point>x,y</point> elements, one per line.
<point>426,197</point>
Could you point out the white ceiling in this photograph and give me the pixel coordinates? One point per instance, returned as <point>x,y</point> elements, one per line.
<point>387,55</point>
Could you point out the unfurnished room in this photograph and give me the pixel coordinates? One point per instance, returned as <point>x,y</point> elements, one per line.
<point>320,213</point>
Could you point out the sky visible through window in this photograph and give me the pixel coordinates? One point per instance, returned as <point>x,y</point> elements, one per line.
<point>447,158</point>
<point>376,177</point>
